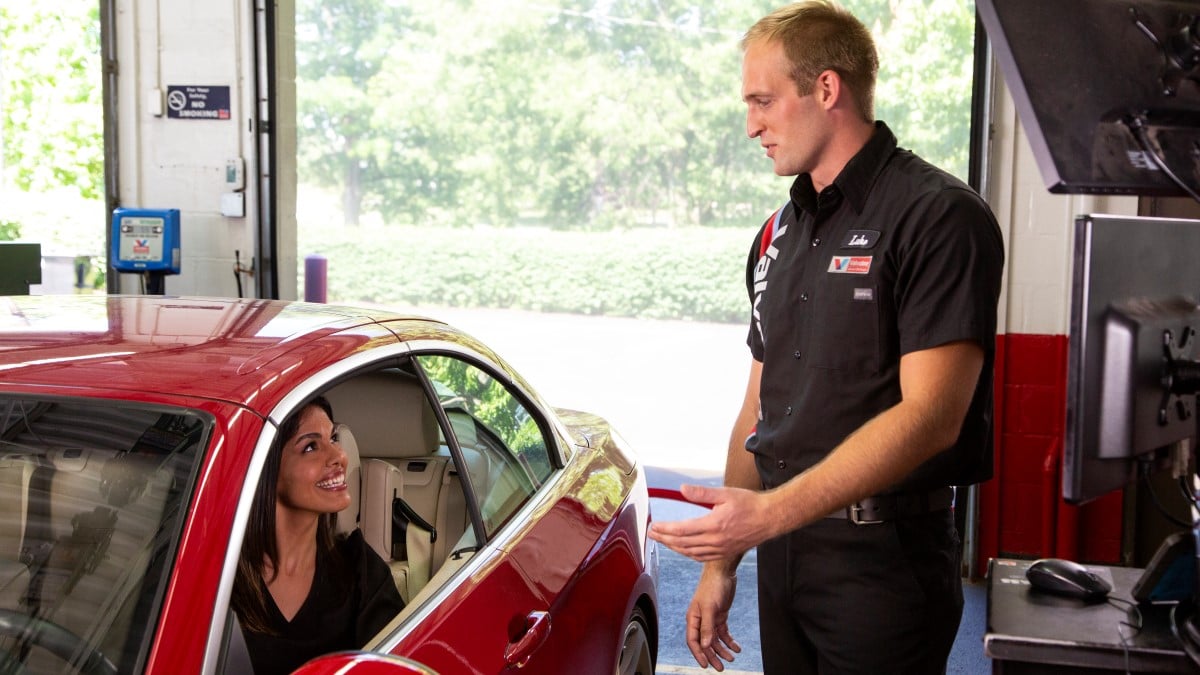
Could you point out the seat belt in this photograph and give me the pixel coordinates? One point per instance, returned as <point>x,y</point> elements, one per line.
<point>403,515</point>
<point>38,542</point>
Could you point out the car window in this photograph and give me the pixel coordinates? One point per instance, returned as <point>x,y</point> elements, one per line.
<point>504,445</point>
<point>92,498</point>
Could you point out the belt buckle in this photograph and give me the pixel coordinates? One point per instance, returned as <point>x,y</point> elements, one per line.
<point>856,510</point>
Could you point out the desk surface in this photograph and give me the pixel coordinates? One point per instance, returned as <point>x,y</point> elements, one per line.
<point>1029,626</point>
<point>1025,625</point>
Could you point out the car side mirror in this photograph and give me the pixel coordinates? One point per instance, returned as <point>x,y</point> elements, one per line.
<point>362,663</point>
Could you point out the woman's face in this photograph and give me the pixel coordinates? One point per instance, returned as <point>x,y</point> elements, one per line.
<point>312,469</point>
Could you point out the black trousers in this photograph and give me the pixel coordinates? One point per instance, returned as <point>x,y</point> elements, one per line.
<point>836,598</point>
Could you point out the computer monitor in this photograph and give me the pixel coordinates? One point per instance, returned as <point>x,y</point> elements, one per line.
<point>1108,91</point>
<point>1134,340</point>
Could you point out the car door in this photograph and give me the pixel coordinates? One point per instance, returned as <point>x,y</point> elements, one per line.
<point>557,570</point>
<point>495,615</point>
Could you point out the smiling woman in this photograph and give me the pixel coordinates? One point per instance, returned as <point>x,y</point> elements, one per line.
<point>290,542</point>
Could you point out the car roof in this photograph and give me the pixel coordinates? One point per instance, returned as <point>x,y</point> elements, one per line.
<point>245,351</point>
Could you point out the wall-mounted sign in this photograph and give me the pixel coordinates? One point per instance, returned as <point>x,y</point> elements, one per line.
<point>193,102</point>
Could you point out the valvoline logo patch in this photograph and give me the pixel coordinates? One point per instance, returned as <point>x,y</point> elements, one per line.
<point>850,264</point>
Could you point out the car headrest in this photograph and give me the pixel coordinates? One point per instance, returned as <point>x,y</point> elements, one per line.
<point>347,518</point>
<point>389,413</point>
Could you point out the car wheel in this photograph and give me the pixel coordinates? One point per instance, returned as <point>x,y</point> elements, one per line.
<point>636,656</point>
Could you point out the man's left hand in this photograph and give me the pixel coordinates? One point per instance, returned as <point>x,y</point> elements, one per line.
<point>739,520</point>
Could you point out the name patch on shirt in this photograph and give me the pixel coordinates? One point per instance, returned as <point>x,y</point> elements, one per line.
<point>850,264</point>
<point>864,294</point>
<point>860,239</point>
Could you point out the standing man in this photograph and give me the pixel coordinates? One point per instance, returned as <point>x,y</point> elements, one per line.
<point>874,293</point>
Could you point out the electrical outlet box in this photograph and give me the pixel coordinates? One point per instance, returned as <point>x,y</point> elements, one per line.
<point>233,204</point>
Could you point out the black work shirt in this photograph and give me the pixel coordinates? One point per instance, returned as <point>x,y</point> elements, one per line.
<point>351,600</point>
<point>896,256</point>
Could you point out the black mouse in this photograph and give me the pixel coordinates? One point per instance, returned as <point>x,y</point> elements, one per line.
<point>1064,577</point>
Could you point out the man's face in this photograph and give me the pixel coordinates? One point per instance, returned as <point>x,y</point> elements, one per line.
<point>792,128</point>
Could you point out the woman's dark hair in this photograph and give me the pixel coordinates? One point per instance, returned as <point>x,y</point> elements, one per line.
<point>250,584</point>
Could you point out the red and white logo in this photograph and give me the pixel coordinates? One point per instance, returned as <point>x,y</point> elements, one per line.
<point>850,264</point>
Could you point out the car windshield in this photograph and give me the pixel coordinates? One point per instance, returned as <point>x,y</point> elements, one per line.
<point>92,496</point>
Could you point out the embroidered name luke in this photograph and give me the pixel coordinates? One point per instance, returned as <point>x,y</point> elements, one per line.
<point>860,239</point>
<point>850,264</point>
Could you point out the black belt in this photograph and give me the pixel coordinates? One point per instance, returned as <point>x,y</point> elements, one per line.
<point>882,508</point>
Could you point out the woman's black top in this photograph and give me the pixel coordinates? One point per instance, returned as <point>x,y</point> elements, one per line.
<point>351,600</point>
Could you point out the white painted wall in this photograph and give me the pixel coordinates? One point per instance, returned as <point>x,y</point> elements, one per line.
<point>1038,227</point>
<point>181,163</point>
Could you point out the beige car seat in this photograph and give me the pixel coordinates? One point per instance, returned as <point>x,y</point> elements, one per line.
<point>397,436</point>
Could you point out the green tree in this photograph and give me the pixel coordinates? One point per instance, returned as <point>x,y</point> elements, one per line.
<point>341,45</point>
<point>676,145</point>
<point>599,113</point>
<point>50,95</point>
<point>926,65</point>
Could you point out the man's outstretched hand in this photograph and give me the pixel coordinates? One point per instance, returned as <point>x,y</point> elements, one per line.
<point>738,521</point>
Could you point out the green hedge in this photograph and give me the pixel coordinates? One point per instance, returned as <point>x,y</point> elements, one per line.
<point>686,273</point>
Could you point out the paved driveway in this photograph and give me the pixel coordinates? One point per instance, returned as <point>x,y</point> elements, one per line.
<point>672,388</point>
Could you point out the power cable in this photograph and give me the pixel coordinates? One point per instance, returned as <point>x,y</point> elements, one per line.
<point>1137,125</point>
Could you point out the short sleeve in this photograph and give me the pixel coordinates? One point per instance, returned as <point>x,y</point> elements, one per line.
<point>754,335</point>
<point>949,272</point>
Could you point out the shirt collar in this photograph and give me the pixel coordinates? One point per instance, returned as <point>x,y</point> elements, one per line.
<point>855,181</point>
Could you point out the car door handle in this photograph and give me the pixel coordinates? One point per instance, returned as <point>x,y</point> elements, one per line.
<point>537,629</point>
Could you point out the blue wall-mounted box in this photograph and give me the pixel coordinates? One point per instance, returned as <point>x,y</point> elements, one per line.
<point>145,240</point>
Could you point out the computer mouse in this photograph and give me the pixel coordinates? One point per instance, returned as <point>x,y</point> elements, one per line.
<point>1067,578</point>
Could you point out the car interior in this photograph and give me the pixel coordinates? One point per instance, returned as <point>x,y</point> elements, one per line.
<point>414,503</point>
<point>408,495</point>
<point>90,498</point>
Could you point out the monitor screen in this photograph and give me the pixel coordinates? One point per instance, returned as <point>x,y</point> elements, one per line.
<point>1106,90</point>
<point>1134,317</point>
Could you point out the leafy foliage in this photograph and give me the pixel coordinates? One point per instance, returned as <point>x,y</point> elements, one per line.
<point>488,403</point>
<point>52,128</point>
<point>445,121</point>
<point>681,273</point>
<point>581,114</point>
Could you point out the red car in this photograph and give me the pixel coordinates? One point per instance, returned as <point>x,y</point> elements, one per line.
<point>133,432</point>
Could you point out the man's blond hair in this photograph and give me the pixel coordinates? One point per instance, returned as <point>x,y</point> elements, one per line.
<point>818,35</point>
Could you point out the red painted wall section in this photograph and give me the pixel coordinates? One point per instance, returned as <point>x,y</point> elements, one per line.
<point>1022,513</point>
